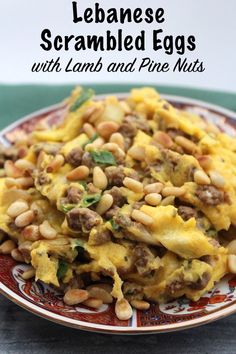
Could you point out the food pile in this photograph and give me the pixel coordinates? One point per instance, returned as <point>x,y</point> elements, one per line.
<point>129,200</point>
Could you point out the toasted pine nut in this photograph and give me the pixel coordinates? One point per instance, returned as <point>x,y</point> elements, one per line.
<point>56,163</point>
<point>175,191</point>
<point>153,188</point>
<point>153,199</point>
<point>163,139</point>
<point>93,302</point>
<point>99,178</point>
<point>105,286</point>
<point>47,231</point>
<point>75,296</point>
<point>200,177</point>
<point>7,246</point>
<point>11,182</point>
<point>31,233</point>
<point>78,173</point>
<point>16,255</point>
<point>137,153</point>
<point>11,170</point>
<point>107,128</point>
<point>104,203</point>
<point>89,130</point>
<point>99,293</point>
<point>140,304</point>
<point>205,161</point>
<point>216,179</point>
<point>25,218</point>
<point>95,144</point>
<point>115,149</point>
<point>187,144</point>
<point>118,139</point>
<point>23,164</point>
<point>232,263</point>
<point>123,309</point>
<point>28,274</point>
<point>168,200</point>
<point>142,217</point>
<point>232,247</point>
<point>25,182</point>
<point>25,249</point>
<point>93,113</point>
<point>132,184</point>
<point>17,208</point>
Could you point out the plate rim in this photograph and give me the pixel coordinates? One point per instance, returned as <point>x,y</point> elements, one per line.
<point>94,327</point>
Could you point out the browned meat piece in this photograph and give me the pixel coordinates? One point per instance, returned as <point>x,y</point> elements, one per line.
<point>82,219</point>
<point>210,195</point>
<point>115,175</point>
<point>43,178</point>
<point>87,160</point>
<point>128,127</point>
<point>122,220</point>
<point>201,283</point>
<point>111,212</point>
<point>74,157</point>
<point>142,256</point>
<point>186,212</point>
<point>138,205</point>
<point>175,286</point>
<point>74,195</point>
<point>133,291</point>
<point>101,237</point>
<point>118,199</point>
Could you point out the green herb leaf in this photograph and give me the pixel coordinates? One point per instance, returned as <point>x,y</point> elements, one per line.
<point>114,225</point>
<point>62,269</point>
<point>90,199</point>
<point>94,137</point>
<point>103,157</point>
<point>67,207</point>
<point>84,96</point>
<point>84,184</point>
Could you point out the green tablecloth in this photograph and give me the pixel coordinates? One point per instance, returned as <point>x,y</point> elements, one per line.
<point>18,100</point>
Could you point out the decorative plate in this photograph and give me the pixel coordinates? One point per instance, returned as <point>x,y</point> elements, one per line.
<point>46,302</point>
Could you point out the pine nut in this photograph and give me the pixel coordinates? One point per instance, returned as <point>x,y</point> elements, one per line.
<point>7,246</point>
<point>115,149</point>
<point>232,263</point>
<point>163,139</point>
<point>205,161</point>
<point>47,231</point>
<point>153,188</point>
<point>142,217</point>
<point>106,129</point>
<point>104,203</point>
<point>75,296</point>
<point>118,139</point>
<point>200,177</point>
<point>95,144</point>
<point>93,113</point>
<point>23,164</point>
<point>123,310</point>
<point>232,247</point>
<point>56,163</point>
<point>94,303</point>
<point>16,255</point>
<point>168,200</point>
<point>132,184</point>
<point>17,208</point>
<point>24,219</point>
<point>78,173</point>
<point>101,294</point>
<point>28,274</point>
<point>140,304</point>
<point>173,191</point>
<point>25,182</point>
<point>105,286</point>
<point>89,130</point>
<point>137,153</point>
<point>187,144</point>
<point>25,249</point>
<point>31,233</point>
<point>216,179</point>
<point>153,199</point>
<point>11,170</point>
<point>99,178</point>
<point>11,182</point>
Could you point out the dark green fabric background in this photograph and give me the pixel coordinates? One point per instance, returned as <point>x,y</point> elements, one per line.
<point>18,100</point>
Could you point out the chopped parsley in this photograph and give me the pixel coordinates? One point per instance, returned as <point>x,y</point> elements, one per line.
<point>89,200</point>
<point>62,269</point>
<point>114,225</point>
<point>84,96</point>
<point>103,157</point>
